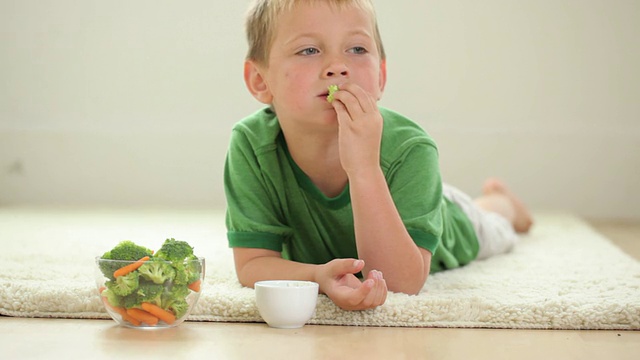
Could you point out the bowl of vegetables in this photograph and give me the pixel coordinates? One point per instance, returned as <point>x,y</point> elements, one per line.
<point>144,289</point>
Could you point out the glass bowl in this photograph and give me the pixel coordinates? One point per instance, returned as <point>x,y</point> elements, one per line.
<point>155,294</point>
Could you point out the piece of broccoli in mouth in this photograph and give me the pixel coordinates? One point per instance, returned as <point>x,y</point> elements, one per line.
<point>124,285</point>
<point>157,270</point>
<point>332,90</point>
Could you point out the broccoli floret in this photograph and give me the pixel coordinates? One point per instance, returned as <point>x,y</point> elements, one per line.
<point>128,250</point>
<point>125,250</point>
<point>131,301</point>
<point>150,292</point>
<point>182,277</point>
<point>332,90</point>
<point>146,292</point>
<point>187,267</point>
<point>179,308</point>
<point>175,251</point>
<point>175,300</point>
<point>176,292</point>
<point>111,297</point>
<point>157,270</point>
<point>124,285</point>
<point>193,268</point>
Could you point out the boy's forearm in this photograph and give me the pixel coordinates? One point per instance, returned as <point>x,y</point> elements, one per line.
<point>381,237</point>
<point>274,268</point>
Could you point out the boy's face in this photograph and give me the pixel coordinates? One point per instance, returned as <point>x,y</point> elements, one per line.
<point>316,45</point>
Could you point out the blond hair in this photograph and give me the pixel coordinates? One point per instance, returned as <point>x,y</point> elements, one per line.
<point>261,22</point>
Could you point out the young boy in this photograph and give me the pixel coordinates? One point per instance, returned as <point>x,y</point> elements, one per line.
<point>328,190</point>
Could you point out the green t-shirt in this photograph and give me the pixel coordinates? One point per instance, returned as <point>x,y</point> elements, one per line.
<point>272,204</point>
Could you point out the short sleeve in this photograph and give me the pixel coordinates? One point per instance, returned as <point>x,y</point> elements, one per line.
<point>253,217</point>
<point>416,187</point>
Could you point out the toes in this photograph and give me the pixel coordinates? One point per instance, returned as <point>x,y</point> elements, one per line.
<point>493,185</point>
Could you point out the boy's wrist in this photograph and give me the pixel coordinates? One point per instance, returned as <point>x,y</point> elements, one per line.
<point>318,271</point>
<point>366,175</point>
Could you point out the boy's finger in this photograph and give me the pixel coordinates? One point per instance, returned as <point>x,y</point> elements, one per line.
<point>365,101</point>
<point>354,298</point>
<point>351,103</point>
<point>363,295</point>
<point>377,294</point>
<point>381,292</point>
<point>346,266</point>
<point>341,111</point>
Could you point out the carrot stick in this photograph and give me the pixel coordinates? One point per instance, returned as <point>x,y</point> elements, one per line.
<point>159,312</point>
<point>195,286</point>
<point>129,268</point>
<point>122,312</point>
<point>143,316</point>
<point>126,316</point>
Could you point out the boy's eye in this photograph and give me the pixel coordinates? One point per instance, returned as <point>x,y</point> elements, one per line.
<point>358,50</point>
<point>309,51</point>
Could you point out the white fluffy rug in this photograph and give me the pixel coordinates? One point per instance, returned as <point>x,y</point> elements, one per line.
<point>563,275</point>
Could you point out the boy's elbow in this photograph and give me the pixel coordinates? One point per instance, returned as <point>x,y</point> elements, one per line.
<point>243,277</point>
<point>419,285</point>
<point>409,288</point>
<point>245,282</point>
<point>414,287</point>
<point>413,293</point>
<point>411,284</point>
<point>416,284</point>
<point>249,264</point>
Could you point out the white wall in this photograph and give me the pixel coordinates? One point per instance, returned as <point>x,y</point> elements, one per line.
<point>131,102</point>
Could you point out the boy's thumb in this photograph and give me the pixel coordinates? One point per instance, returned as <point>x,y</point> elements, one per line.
<point>348,266</point>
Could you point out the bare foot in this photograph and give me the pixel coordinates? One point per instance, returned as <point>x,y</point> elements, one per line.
<point>523,220</point>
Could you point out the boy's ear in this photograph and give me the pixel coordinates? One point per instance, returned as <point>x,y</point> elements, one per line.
<point>255,83</point>
<point>383,75</point>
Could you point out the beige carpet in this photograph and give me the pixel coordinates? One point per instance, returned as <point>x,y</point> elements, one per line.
<point>562,276</point>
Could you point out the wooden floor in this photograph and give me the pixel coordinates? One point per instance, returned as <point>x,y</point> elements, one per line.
<point>97,339</point>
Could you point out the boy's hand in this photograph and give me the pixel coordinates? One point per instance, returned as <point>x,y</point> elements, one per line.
<point>360,129</point>
<point>338,282</point>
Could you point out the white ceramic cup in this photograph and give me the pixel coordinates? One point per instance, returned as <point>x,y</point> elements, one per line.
<point>286,304</point>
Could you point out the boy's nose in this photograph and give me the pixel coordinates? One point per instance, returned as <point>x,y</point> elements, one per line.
<point>337,70</point>
<point>342,73</point>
